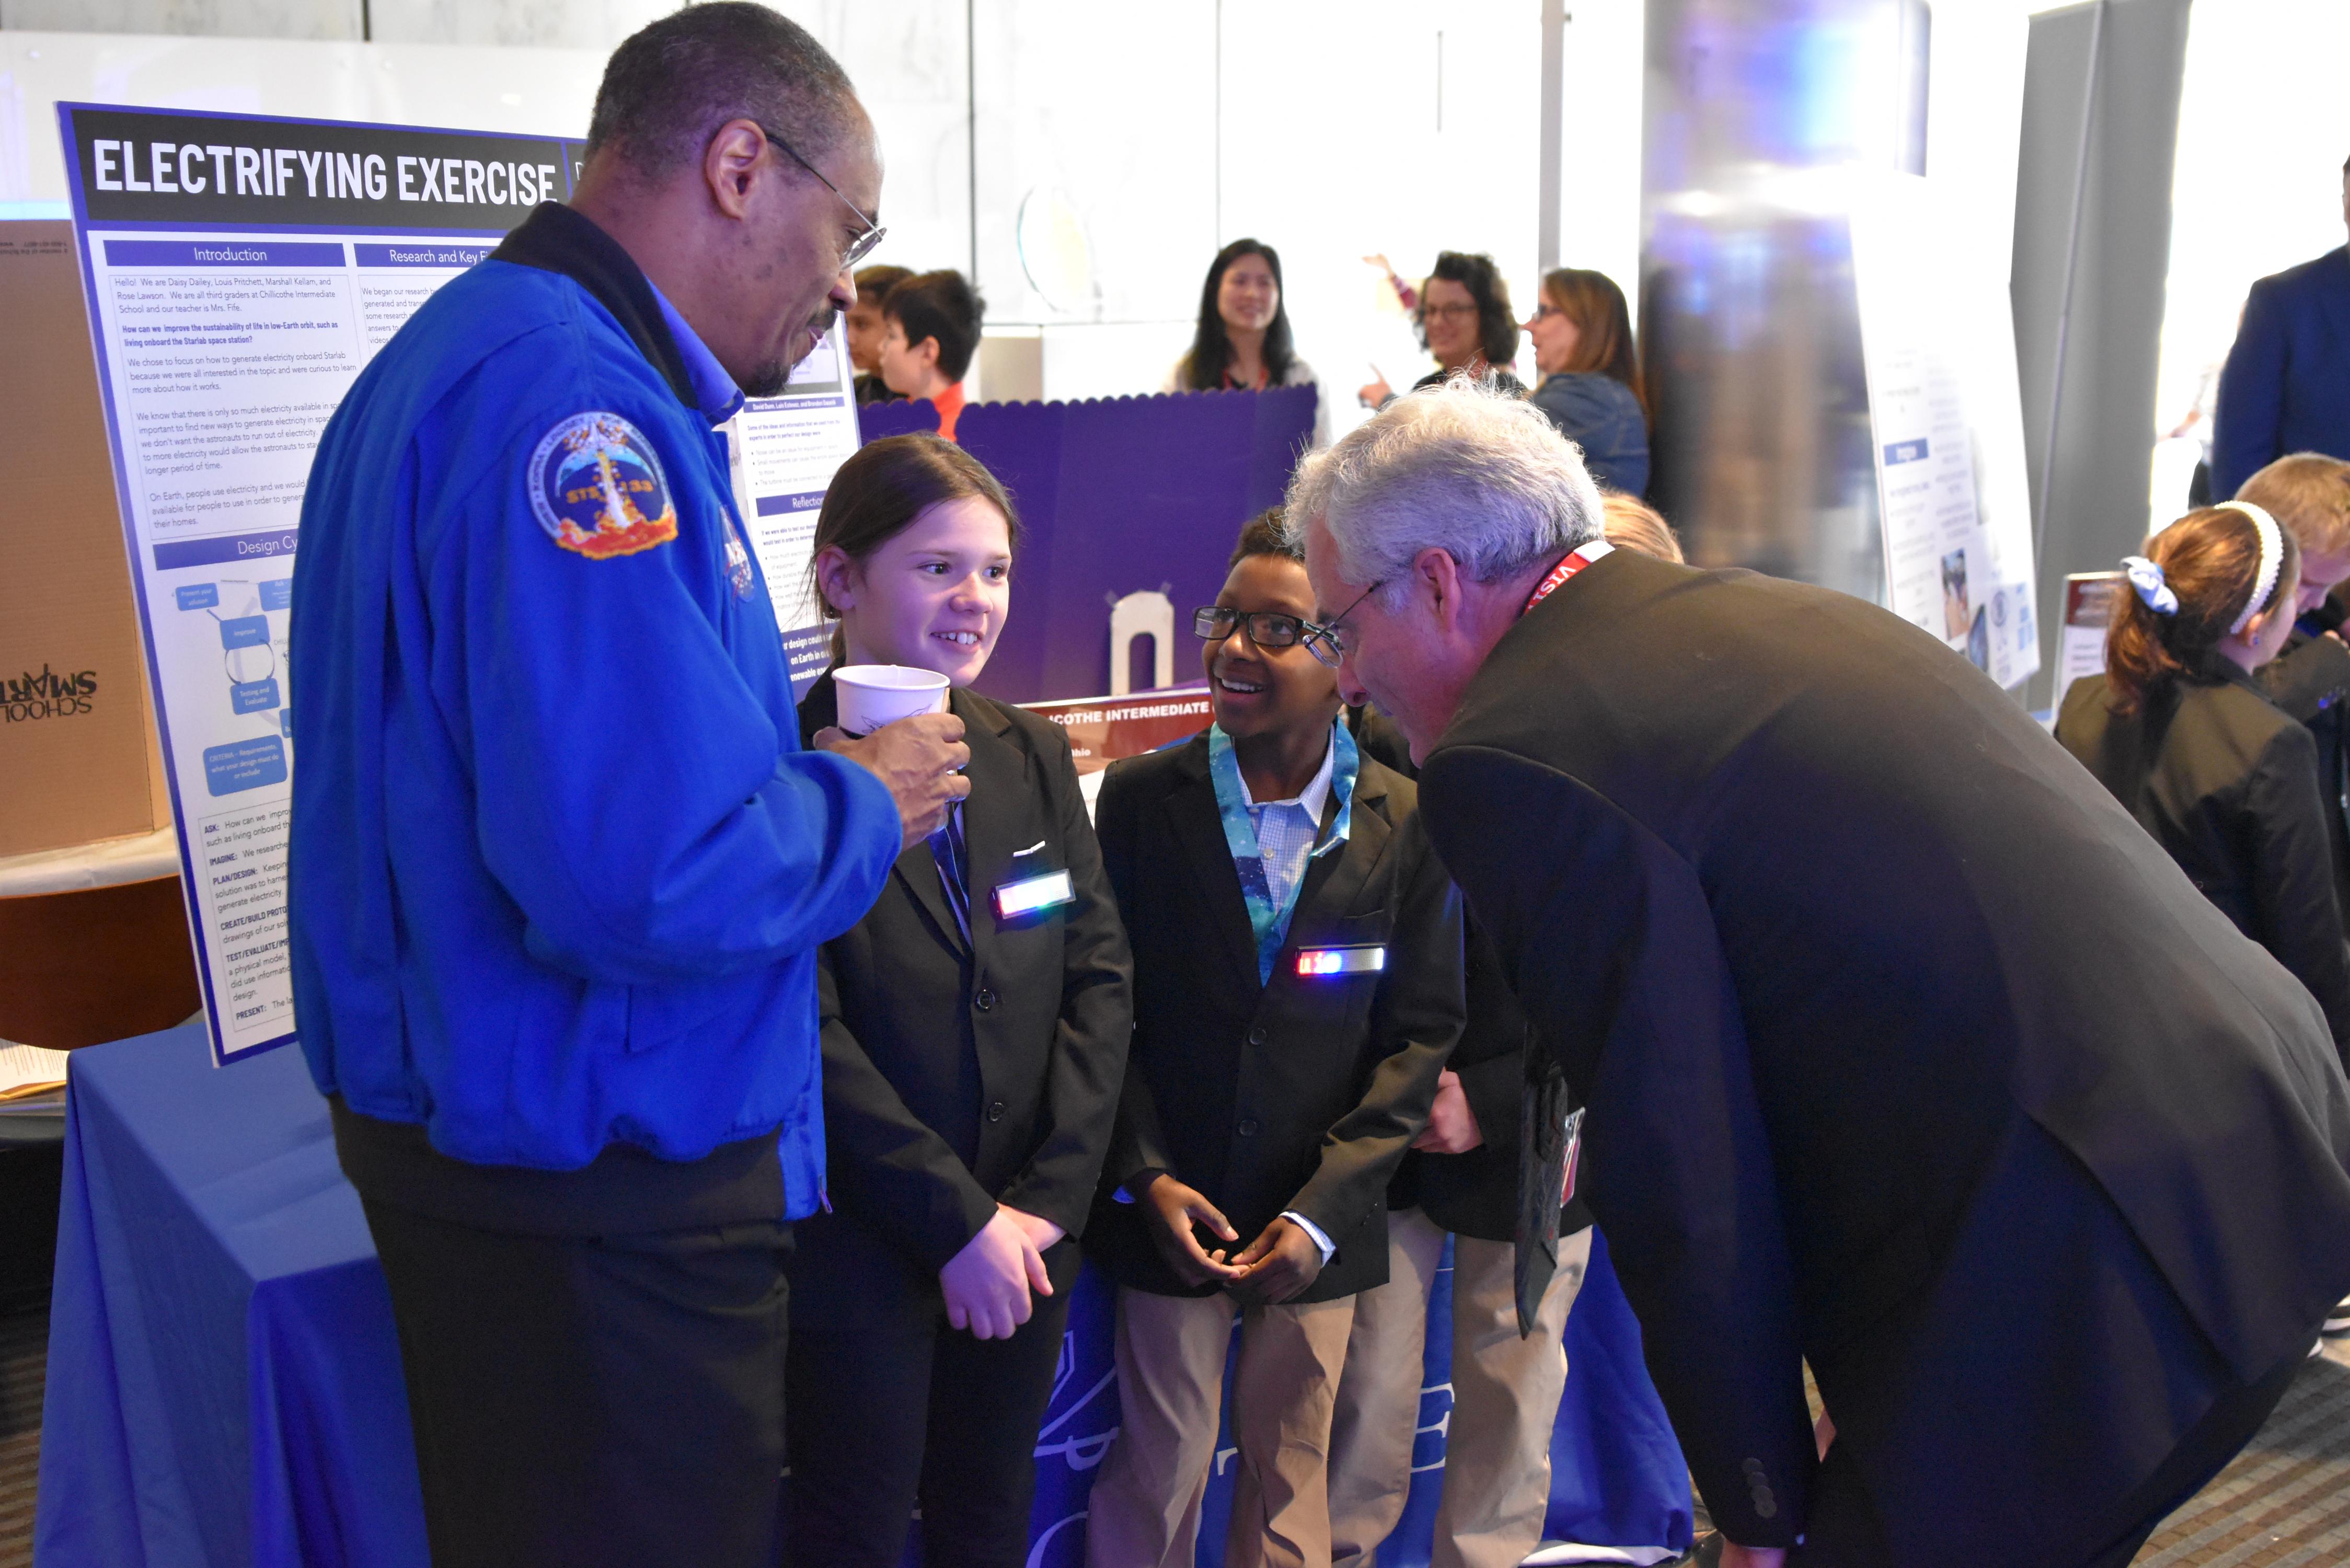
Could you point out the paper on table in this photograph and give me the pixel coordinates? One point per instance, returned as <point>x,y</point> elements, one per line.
<point>29,1070</point>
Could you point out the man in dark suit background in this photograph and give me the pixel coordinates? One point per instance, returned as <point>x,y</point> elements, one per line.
<point>2286,386</point>
<point>1905,1052</point>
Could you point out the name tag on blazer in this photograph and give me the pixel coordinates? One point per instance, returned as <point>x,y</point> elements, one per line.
<point>1033,894</point>
<point>1318,963</point>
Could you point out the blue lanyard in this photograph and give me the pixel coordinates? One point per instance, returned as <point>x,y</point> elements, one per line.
<point>1271,924</point>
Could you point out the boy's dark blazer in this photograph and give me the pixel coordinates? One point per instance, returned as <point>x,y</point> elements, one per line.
<point>958,1075</point>
<point>1296,1095</point>
<point>1907,1055</point>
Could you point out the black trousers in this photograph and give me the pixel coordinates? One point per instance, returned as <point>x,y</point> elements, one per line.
<point>902,1408</point>
<point>616,1400</point>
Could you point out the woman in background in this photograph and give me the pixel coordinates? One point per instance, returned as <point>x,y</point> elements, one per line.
<point>974,1026</point>
<point>1243,340</point>
<point>1591,387</point>
<point>2181,733</point>
<point>1465,321</point>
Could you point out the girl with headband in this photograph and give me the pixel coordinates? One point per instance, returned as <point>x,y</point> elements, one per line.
<point>2183,735</point>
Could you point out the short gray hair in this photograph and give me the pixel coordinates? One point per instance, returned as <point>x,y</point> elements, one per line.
<point>674,82</point>
<point>1464,467</point>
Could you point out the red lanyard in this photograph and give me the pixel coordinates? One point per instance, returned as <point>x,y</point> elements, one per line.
<point>1583,556</point>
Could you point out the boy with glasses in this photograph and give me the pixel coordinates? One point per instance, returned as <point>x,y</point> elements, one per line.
<point>1297,990</point>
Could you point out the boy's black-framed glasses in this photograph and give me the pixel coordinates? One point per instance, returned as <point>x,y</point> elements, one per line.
<point>862,245</point>
<point>1269,629</point>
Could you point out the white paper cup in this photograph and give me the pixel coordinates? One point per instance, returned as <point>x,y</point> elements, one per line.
<point>872,695</point>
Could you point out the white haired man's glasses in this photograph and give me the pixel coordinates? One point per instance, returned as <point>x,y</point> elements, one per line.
<point>1326,641</point>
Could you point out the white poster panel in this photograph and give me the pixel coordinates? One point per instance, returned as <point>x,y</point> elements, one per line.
<point>785,451</point>
<point>1939,345</point>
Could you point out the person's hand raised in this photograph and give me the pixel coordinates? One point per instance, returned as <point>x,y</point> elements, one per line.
<point>987,1284</point>
<point>919,758</point>
<point>1172,1208</point>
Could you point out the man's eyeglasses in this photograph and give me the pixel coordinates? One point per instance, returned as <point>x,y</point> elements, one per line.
<point>1329,644</point>
<point>862,245</point>
<point>1453,312</point>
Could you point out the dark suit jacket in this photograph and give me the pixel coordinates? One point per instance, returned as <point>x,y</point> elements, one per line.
<point>2286,385</point>
<point>960,1075</point>
<point>2228,784</point>
<point>1476,1193</point>
<point>1296,1095</point>
<point>1907,1052</point>
<point>2310,681</point>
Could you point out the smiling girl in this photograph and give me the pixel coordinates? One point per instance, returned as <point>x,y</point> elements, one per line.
<point>974,1029</point>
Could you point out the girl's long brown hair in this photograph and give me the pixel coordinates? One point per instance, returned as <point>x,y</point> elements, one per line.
<point>1603,325</point>
<point>884,486</point>
<point>2210,558</point>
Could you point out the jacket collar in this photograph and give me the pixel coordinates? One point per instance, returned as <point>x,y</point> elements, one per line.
<point>1200,828</point>
<point>555,238</point>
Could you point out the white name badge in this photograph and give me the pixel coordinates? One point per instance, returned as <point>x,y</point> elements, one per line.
<point>1030,894</point>
<point>1316,962</point>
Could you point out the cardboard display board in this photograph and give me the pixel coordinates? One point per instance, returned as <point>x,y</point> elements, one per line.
<point>76,743</point>
<point>2081,642</point>
<point>1948,431</point>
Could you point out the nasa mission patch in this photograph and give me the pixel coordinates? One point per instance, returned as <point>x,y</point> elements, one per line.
<point>598,488</point>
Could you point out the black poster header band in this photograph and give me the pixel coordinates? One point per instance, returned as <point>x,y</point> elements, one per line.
<point>138,167</point>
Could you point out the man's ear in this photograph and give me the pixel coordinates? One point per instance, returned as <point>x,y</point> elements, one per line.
<point>730,165</point>
<point>1436,577</point>
<point>925,353</point>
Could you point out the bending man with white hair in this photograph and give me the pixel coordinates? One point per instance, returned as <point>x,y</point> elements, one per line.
<point>1907,1052</point>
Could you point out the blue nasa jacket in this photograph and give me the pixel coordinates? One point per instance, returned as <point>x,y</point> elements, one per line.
<point>560,868</point>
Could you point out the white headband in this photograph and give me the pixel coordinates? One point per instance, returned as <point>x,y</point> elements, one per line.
<point>2272,558</point>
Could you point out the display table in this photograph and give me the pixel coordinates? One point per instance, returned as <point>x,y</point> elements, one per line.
<point>224,1381</point>
<point>224,1376</point>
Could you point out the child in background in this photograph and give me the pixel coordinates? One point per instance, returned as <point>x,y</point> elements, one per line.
<point>1297,989</point>
<point>974,1028</point>
<point>929,331</point>
<point>2181,733</point>
<point>2309,495</point>
<point>863,323</point>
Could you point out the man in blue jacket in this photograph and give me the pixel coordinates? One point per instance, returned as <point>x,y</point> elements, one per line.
<point>2286,386</point>
<point>559,870</point>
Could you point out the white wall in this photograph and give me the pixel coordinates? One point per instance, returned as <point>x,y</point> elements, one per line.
<point>2263,128</point>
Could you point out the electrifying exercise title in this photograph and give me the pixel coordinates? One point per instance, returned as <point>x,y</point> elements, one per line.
<point>195,169</point>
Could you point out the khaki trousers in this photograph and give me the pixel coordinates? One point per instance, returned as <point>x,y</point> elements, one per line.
<point>1505,1394</point>
<point>1145,1508</point>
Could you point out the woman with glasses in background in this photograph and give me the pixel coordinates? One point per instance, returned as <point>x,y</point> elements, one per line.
<point>1591,378</point>
<point>1465,321</point>
<point>1243,340</point>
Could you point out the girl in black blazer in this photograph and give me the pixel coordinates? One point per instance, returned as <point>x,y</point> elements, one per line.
<point>974,1028</point>
<point>2181,733</point>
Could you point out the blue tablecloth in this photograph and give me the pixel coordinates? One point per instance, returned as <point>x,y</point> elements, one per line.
<point>223,1377</point>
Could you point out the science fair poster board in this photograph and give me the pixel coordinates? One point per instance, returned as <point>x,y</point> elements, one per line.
<point>1939,347</point>
<point>240,271</point>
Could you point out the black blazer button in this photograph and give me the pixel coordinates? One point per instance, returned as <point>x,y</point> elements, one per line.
<point>1256,1036</point>
<point>985,999</point>
<point>996,1111</point>
<point>1248,1126</point>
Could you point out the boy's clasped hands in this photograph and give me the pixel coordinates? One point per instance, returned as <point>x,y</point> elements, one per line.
<point>1278,1266</point>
